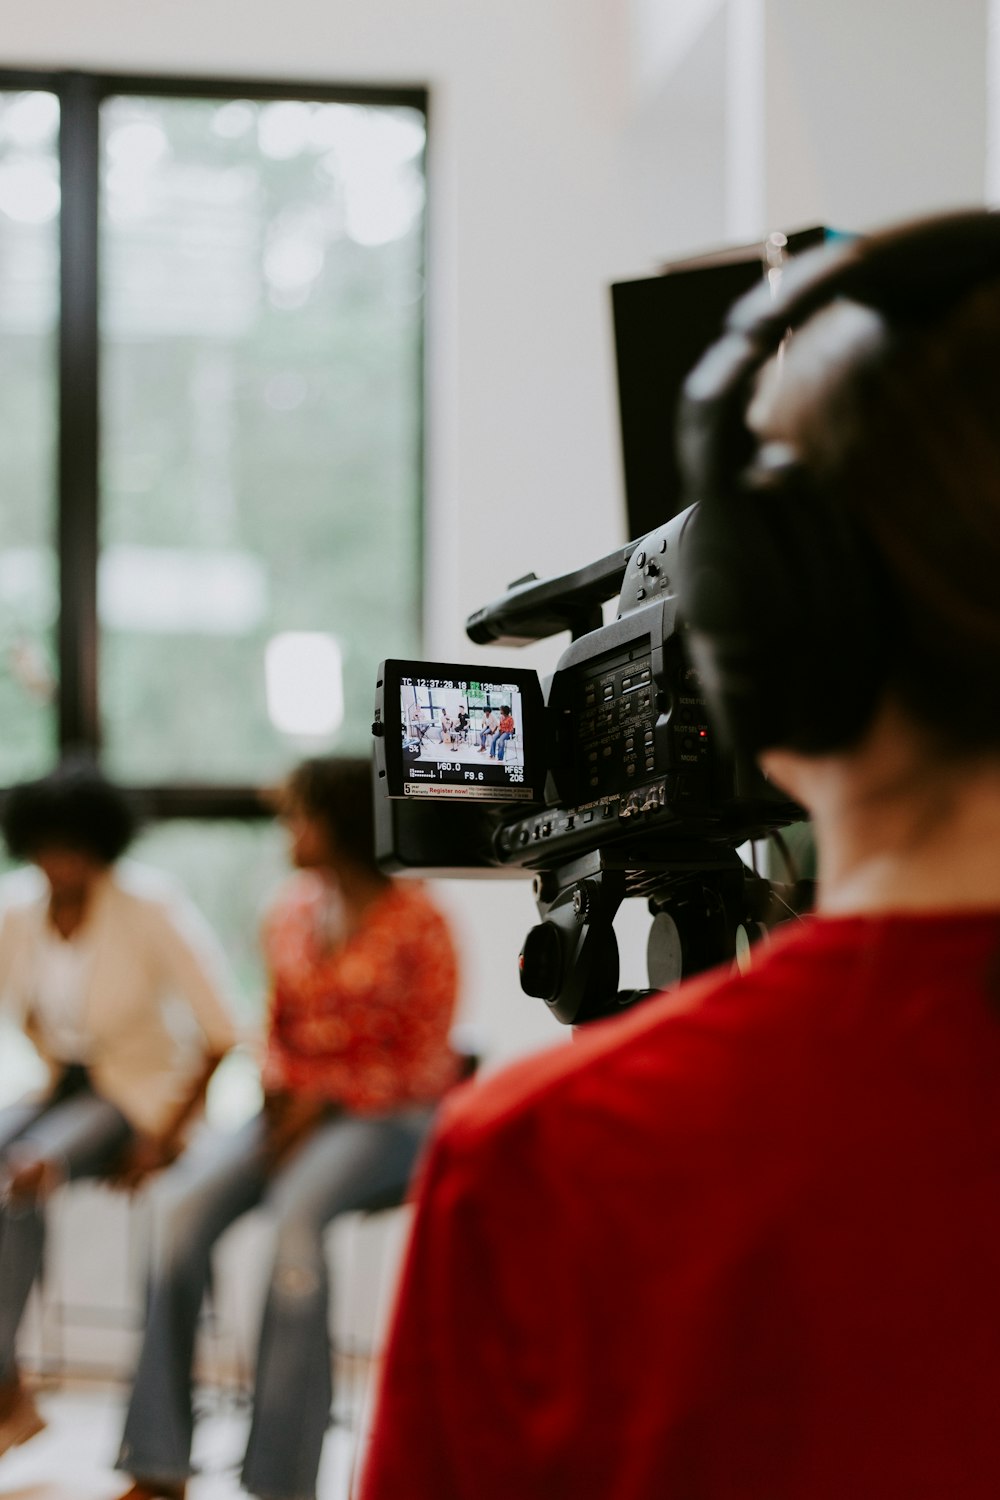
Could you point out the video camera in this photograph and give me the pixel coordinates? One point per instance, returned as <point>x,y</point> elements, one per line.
<point>606,782</point>
<point>609,780</point>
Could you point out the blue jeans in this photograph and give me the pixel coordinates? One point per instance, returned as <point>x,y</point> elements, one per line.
<point>498,742</point>
<point>349,1163</point>
<point>84,1135</point>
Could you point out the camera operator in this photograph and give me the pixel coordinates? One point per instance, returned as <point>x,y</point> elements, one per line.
<point>744,1241</point>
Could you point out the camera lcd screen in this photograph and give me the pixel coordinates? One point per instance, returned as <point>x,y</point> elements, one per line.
<point>464,733</point>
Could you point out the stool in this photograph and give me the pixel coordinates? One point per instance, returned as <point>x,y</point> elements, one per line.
<point>369,1349</point>
<point>62,1305</point>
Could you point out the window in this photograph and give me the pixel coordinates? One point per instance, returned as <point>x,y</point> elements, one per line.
<point>29,314</point>
<point>211,329</point>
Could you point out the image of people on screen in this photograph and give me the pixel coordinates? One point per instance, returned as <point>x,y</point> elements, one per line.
<point>453,725</point>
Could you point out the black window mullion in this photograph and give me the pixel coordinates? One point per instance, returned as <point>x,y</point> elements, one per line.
<point>79,425</point>
<point>79,414</point>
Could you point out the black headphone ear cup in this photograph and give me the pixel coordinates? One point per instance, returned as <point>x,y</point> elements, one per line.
<point>781,606</point>
<point>791,616</point>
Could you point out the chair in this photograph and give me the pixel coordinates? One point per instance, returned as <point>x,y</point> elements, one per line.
<point>87,1309</point>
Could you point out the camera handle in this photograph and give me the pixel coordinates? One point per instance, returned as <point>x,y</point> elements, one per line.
<point>534,608</point>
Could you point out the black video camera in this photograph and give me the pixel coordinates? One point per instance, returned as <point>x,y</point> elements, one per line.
<point>608,782</point>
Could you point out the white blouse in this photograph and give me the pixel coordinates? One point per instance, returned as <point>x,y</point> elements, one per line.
<point>141,998</point>
<point>62,979</point>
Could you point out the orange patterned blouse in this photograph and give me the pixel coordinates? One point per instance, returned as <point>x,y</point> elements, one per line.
<point>364,1022</point>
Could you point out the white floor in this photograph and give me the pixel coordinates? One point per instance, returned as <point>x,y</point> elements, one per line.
<point>72,1459</point>
<point>469,755</point>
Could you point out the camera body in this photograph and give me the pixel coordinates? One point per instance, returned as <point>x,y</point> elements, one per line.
<point>607,781</point>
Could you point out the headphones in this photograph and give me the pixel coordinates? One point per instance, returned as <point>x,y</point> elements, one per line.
<point>788,608</point>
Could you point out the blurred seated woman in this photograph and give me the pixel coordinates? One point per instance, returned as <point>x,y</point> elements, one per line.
<point>488,728</point>
<point>363,986</point>
<point>95,956</point>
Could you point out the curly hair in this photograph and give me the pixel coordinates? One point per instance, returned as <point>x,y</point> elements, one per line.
<point>74,807</point>
<point>338,793</point>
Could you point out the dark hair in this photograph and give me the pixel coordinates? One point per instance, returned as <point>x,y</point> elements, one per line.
<point>904,434</point>
<point>74,807</point>
<point>338,793</point>
<point>505,708</point>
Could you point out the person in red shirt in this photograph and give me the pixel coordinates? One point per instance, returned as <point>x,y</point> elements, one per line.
<point>503,733</point>
<point>363,990</point>
<point>742,1243</point>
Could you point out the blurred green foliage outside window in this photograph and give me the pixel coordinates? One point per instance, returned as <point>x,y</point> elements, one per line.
<point>260,292</point>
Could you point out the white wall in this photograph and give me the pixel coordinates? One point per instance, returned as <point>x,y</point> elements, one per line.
<point>875,111</point>
<point>575,141</point>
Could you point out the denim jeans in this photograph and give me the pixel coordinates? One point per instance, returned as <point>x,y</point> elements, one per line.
<point>498,742</point>
<point>83,1134</point>
<point>351,1162</point>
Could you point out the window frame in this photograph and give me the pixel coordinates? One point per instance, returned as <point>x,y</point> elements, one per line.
<point>77,510</point>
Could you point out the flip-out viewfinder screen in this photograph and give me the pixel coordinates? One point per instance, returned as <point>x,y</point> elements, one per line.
<point>463,733</point>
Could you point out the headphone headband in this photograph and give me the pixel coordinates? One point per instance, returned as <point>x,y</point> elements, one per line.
<point>912,273</point>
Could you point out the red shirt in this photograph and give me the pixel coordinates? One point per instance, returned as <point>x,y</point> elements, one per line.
<point>365,1022</point>
<point>742,1244</point>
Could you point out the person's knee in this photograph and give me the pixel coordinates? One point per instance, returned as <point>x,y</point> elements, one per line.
<point>299,1266</point>
<point>179,1230</point>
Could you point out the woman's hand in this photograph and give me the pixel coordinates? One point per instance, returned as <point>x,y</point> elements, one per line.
<point>147,1153</point>
<point>144,1155</point>
<point>288,1119</point>
<point>31,1179</point>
